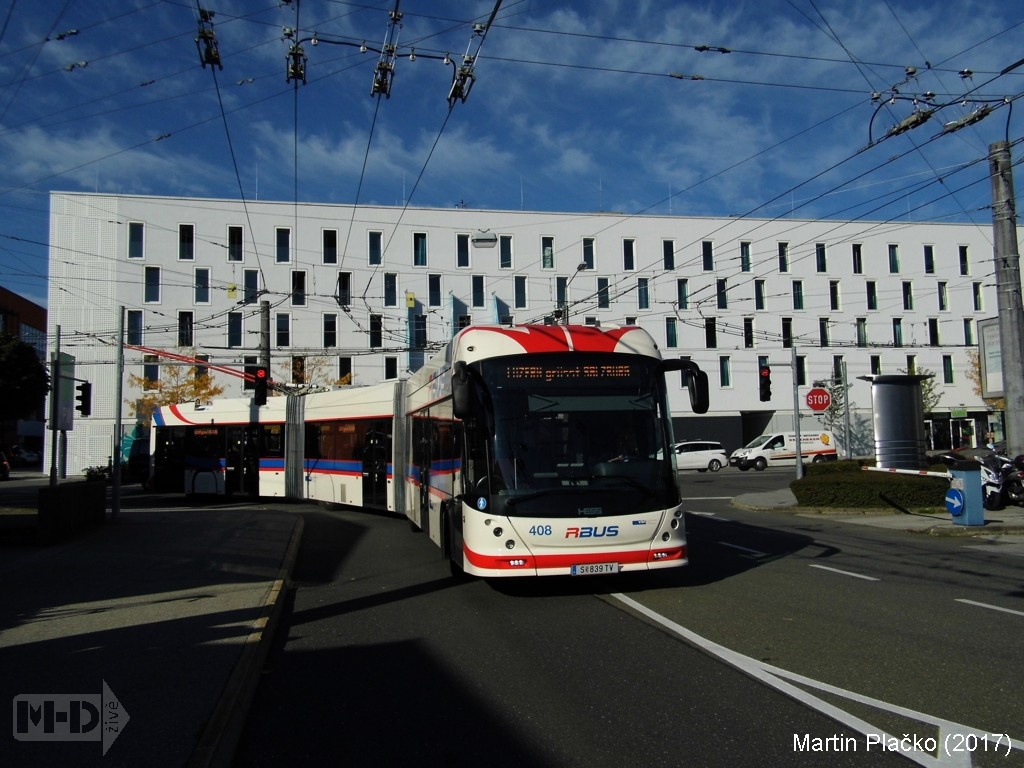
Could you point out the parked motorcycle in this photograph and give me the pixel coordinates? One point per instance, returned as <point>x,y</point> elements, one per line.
<point>1014,481</point>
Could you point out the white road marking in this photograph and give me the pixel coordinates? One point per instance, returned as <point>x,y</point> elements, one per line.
<point>747,550</point>
<point>845,573</point>
<point>990,607</point>
<point>782,680</point>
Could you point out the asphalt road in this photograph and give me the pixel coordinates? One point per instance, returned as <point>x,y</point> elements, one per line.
<point>384,659</point>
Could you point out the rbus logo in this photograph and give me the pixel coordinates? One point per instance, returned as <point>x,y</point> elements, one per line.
<point>591,532</point>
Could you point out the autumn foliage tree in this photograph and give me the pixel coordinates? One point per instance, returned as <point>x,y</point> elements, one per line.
<point>178,383</point>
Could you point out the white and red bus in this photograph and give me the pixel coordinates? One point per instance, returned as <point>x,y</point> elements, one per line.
<point>544,450</point>
<point>519,450</point>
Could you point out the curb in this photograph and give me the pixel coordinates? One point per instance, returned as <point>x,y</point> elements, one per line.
<point>219,740</point>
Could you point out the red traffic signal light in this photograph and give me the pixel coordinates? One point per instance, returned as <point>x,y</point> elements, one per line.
<point>261,382</point>
<point>765,382</point>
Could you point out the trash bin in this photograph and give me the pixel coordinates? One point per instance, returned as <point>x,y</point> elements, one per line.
<point>964,498</point>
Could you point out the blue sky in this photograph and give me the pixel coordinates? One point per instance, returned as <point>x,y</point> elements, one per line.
<point>762,109</point>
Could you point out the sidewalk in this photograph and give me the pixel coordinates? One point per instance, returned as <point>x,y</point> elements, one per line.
<point>1003,521</point>
<point>172,609</point>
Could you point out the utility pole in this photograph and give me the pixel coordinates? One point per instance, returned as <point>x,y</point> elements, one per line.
<point>265,334</point>
<point>1008,293</point>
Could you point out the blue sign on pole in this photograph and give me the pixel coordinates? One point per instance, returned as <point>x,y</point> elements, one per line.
<point>954,502</point>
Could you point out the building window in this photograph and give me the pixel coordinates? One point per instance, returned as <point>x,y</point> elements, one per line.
<point>683,293</point>
<point>976,294</point>
<point>434,290</point>
<point>603,300</point>
<point>462,250</point>
<point>330,330</point>
<point>798,294</point>
<point>671,338</point>
<point>202,286</point>
<point>390,367</point>
<point>897,332</point>
<point>862,331</point>
<point>152,289</point>
<point>872,298</point>
<point>710,333</point>
<point>344,288</point>
<point>858,259</point>
<point>547,252</point>
<point>643,296</point>
<point>133,330</point>
<point>520,292</point>
<point>462,321</point>
<point>943,296</point>
<point>908,295</point>
<point>783,257</point>
<point>707,255</point>
<point>668,253</point>
<point>722,293</point>
<point>833,295</point>
<point>724,372</point>
<point>744,256</point>
<point>629,254</point>
<point>947,369</point>
<point>505,251</point>
<point>787,332</point>
<point>478,290</point>
<point>561,290</point>
<point>283,329</point>
<point>933,332</point>
<point>965,261</point>
<point>823,336</point>
<point>894,259</point>
<point>376,331</point>
<point>801,370</point>
<point>298,370</point>
<point>329,245</point>
<point>419,249</point>
<point>251,285</point>
<point>186,242</point>
<point>151,372</point>
<point>390,289</point>
<point>250,364</point>
<point>235,252</point>
<point>186,336</point>
<point>820,257</point>
<point>759,294</point>
<point>234,329</point>
<point>283,245</point>
<point>344,370</point>
<point>136,240</point>
<point>968,331</point>
<point>419,332</point>
<point>201,370</point>
<point>588,252</point>
<point>298,289</point>
<point>911,364</point>
<point>929,260</point>
<point>748,333</point>
<point>374,248</point>
<point>876,365</point>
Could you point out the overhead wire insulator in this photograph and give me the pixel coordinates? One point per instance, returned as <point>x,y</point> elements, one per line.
<point>463,77</point>
<point>384,73</point>
<point>206,41</point>
<point>910,122</point>
<point>296,64</point>
<point>979,114</point>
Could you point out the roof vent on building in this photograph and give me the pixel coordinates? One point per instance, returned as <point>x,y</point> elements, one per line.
<point>484,238</point>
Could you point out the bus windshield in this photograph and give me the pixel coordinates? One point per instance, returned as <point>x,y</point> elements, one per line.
<point>590,427</point>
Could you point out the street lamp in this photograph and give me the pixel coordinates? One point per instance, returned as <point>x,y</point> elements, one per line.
<point>565,299</point>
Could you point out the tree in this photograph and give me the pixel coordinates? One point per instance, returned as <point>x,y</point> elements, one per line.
<point>24,380</point>
<point>974,376</point>
<point>177,384</point>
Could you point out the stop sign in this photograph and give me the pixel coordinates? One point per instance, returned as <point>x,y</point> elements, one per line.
<point>819,399</point>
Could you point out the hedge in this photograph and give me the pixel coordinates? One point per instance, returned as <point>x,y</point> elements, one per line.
<point>846,484</point>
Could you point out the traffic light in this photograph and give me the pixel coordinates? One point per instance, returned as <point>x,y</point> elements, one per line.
<point>261,381</point>
<point>764,377</point>
<point>84,398</point>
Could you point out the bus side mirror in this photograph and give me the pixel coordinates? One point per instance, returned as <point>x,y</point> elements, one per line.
<point>696,382</point>
<point>462,394</point>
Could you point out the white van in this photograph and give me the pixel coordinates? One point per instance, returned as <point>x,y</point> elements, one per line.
<point>779,448</point>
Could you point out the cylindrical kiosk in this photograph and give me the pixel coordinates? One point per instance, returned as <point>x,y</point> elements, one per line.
<point>898,420</point>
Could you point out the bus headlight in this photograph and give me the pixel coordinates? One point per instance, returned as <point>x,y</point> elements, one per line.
<point>510,544</point>
<point>498,531</point>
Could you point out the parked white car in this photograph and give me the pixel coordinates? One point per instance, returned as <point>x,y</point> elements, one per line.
<point>702,455</point>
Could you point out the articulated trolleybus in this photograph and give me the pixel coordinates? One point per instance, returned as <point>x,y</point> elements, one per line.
<point>525,450</point>
<point>549,451</point>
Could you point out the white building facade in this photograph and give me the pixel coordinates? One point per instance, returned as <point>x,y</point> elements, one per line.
<point>360,295</point>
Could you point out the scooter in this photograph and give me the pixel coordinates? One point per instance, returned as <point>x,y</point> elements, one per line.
<point>1002,480</point>
<point>1014,481</point>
